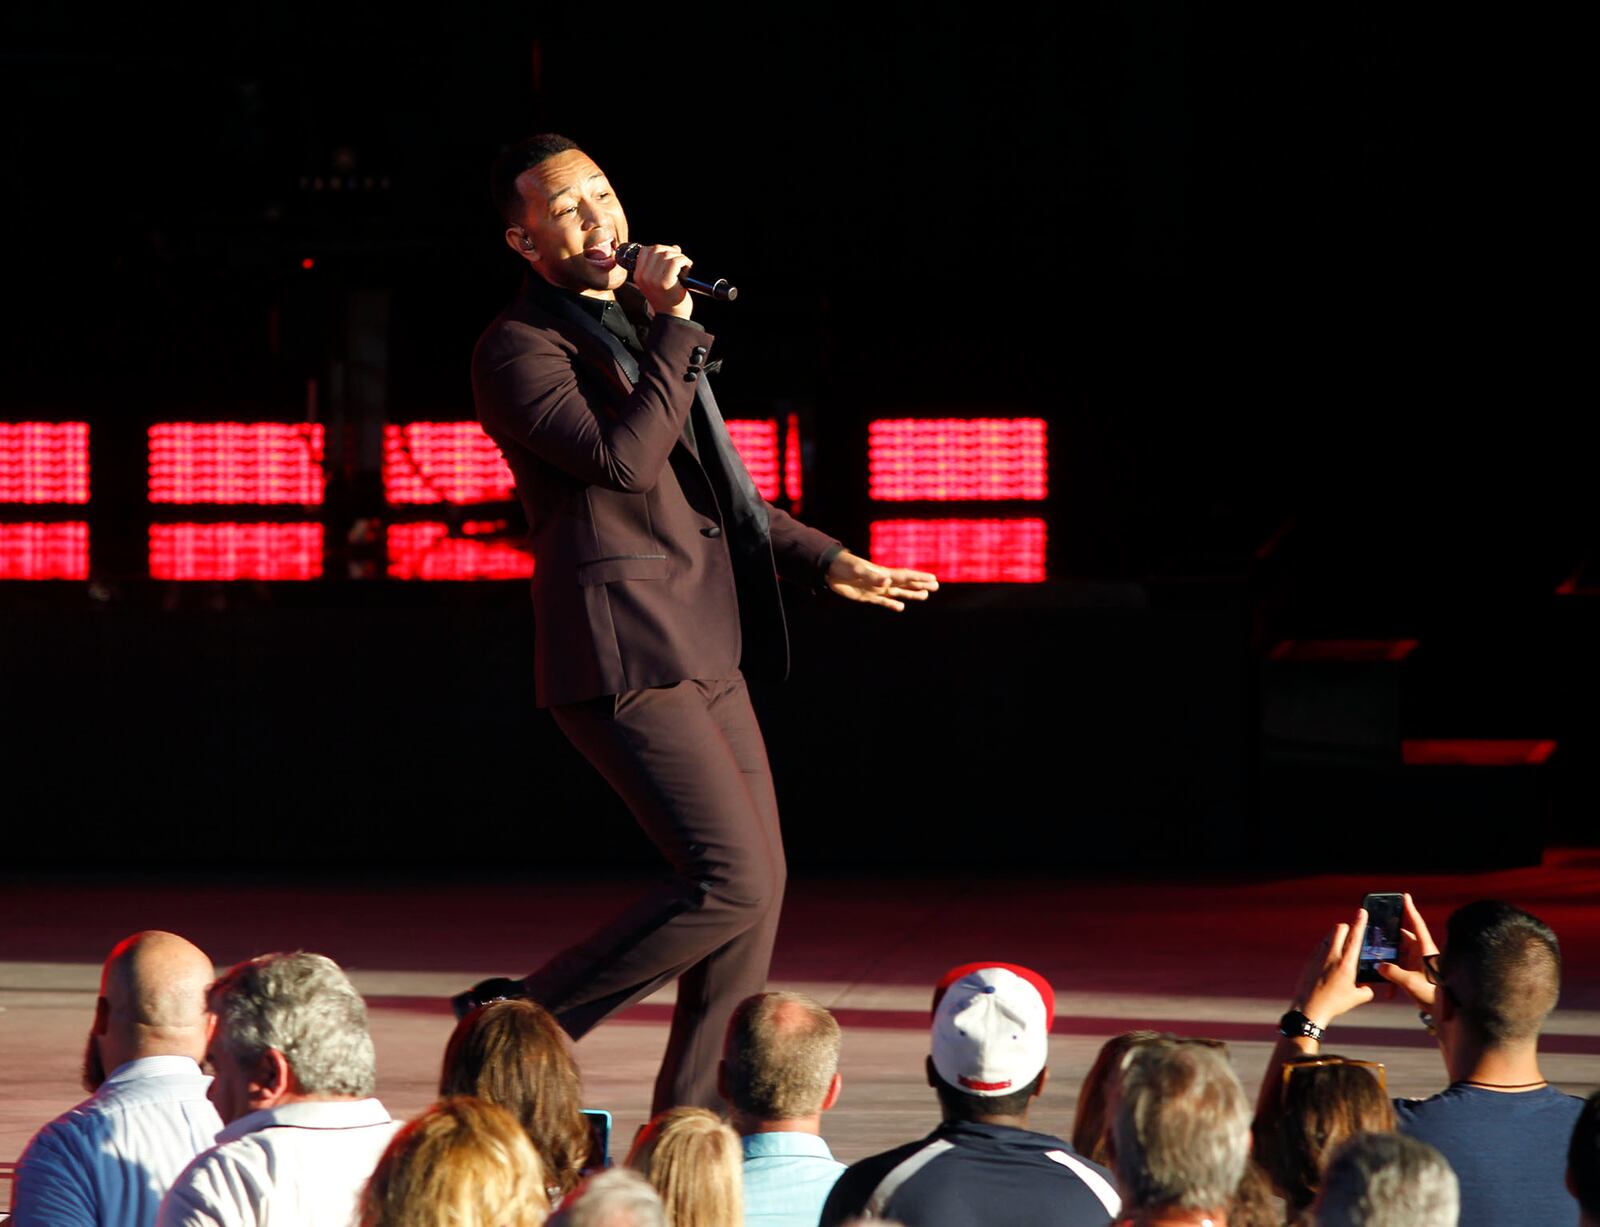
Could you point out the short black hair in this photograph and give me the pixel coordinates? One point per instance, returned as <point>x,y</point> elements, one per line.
<point>524,155</point>
<point>1507,964</point>
<point>1583,1157</point>
<point>964,1106</point>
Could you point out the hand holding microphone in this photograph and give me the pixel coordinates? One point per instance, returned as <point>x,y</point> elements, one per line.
<point>641,262</point>
<point>657,271</point>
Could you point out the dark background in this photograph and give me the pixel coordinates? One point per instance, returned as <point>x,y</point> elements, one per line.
<point>1292,286</point>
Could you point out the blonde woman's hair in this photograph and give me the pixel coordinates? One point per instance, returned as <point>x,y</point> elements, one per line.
<point>463,1162</point>
<point>696,1163</point>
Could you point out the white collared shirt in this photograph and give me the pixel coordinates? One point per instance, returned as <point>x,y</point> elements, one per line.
<point>109,1161</point>
<point>302,1163</point>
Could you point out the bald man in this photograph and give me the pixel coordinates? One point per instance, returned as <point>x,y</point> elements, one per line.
<point>110,1159</point>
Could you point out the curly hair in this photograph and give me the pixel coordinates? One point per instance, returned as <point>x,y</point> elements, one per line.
<point>304,1006</point>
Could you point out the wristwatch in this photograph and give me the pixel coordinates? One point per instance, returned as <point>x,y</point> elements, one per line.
<point>1294,1025</point>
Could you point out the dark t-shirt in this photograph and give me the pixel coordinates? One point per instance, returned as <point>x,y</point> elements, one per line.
<point>1508,1149</point>
<point>967,1175</point>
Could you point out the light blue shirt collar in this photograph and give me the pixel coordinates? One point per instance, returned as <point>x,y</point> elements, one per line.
<point>153,1067</point>
<point>785,1142</point>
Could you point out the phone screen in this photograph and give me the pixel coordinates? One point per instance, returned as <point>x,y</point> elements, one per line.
<point>599,1122</point>
<point>1381,942</point>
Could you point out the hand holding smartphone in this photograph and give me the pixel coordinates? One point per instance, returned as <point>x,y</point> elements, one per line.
<point>1381,942</point>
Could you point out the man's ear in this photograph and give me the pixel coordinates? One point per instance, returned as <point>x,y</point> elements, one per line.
<point>271,1080</point>
<point>933,1078</point>
<point>722,1081</point>
<point>102,1016</point>
<point>1044,1076</point>
<point>835,1085</point>
<point>517,239</point>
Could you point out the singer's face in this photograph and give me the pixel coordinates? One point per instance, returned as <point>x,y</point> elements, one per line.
<point>574,224</point>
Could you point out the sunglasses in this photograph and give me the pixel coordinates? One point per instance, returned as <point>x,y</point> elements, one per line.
<point>1375,1068</point>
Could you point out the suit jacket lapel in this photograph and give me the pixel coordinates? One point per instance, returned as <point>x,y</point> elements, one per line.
<point>742,502</point>
<point>601,343</point>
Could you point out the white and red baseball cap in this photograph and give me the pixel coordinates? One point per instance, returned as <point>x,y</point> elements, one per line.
<point>991,1027</point>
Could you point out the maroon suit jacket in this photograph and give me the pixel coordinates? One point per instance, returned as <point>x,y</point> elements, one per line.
<point>652,562</point>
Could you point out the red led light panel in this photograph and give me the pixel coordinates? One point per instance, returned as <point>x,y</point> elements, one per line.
<point>44,462</point>
<point>791,460</point>
<point>235,551</point>
<point>964,551</point>
<point>756,441</point>
<point>957,459</point>
<point>44,551</point>
<point>443,462</point>
<point>427,550</point>
<point>236,462</point>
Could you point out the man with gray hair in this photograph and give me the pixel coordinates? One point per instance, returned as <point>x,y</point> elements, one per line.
<point>109,1160</point>
<point>294,1077</point>
<point>779,1074</point>
<point>1387,1180</point>
<point>1180,1136</point>
<point>618,1197</point>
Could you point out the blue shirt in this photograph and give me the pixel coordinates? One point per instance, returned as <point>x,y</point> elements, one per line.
<point>107,1162</point>
<point>1508,1149</point>
<point>787,1177</point>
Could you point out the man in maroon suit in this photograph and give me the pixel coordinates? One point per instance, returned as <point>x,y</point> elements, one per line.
<point>655,582</point>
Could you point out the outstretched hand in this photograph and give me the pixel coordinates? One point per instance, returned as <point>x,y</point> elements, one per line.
<point>1328,985</point>
<point>856,579</point>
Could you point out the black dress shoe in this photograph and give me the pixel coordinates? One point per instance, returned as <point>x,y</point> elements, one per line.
<point>482,993</point>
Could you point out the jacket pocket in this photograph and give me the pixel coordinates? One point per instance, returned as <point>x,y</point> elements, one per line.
<point>622,566</point>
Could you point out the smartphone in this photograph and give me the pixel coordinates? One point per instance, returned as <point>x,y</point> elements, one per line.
<point>1381,942</point>
<point>599,1122</point>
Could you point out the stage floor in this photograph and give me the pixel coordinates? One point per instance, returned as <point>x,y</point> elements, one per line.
<point>1196,957</point>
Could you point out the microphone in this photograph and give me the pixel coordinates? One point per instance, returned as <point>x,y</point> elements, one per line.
<point>721,289</point>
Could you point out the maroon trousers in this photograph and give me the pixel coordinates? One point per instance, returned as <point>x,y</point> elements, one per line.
<point>690,763</point>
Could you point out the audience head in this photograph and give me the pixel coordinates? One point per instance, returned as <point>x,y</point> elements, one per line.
<point>990,1040</point>
<point>1387,1180</point>
<point>781,1059</point>
<point>152,1003</point>
<point>289,1027</point>
<point>1322,1101</point>
<point>618,1197</point>
<point>1091,1125</point>
<point>462,1162</point>
<point>1501,972</point>
<point>1583,1161</point>
<point>695,1163</point>
<point>1181,1129</point>
<point>515,1055</point>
